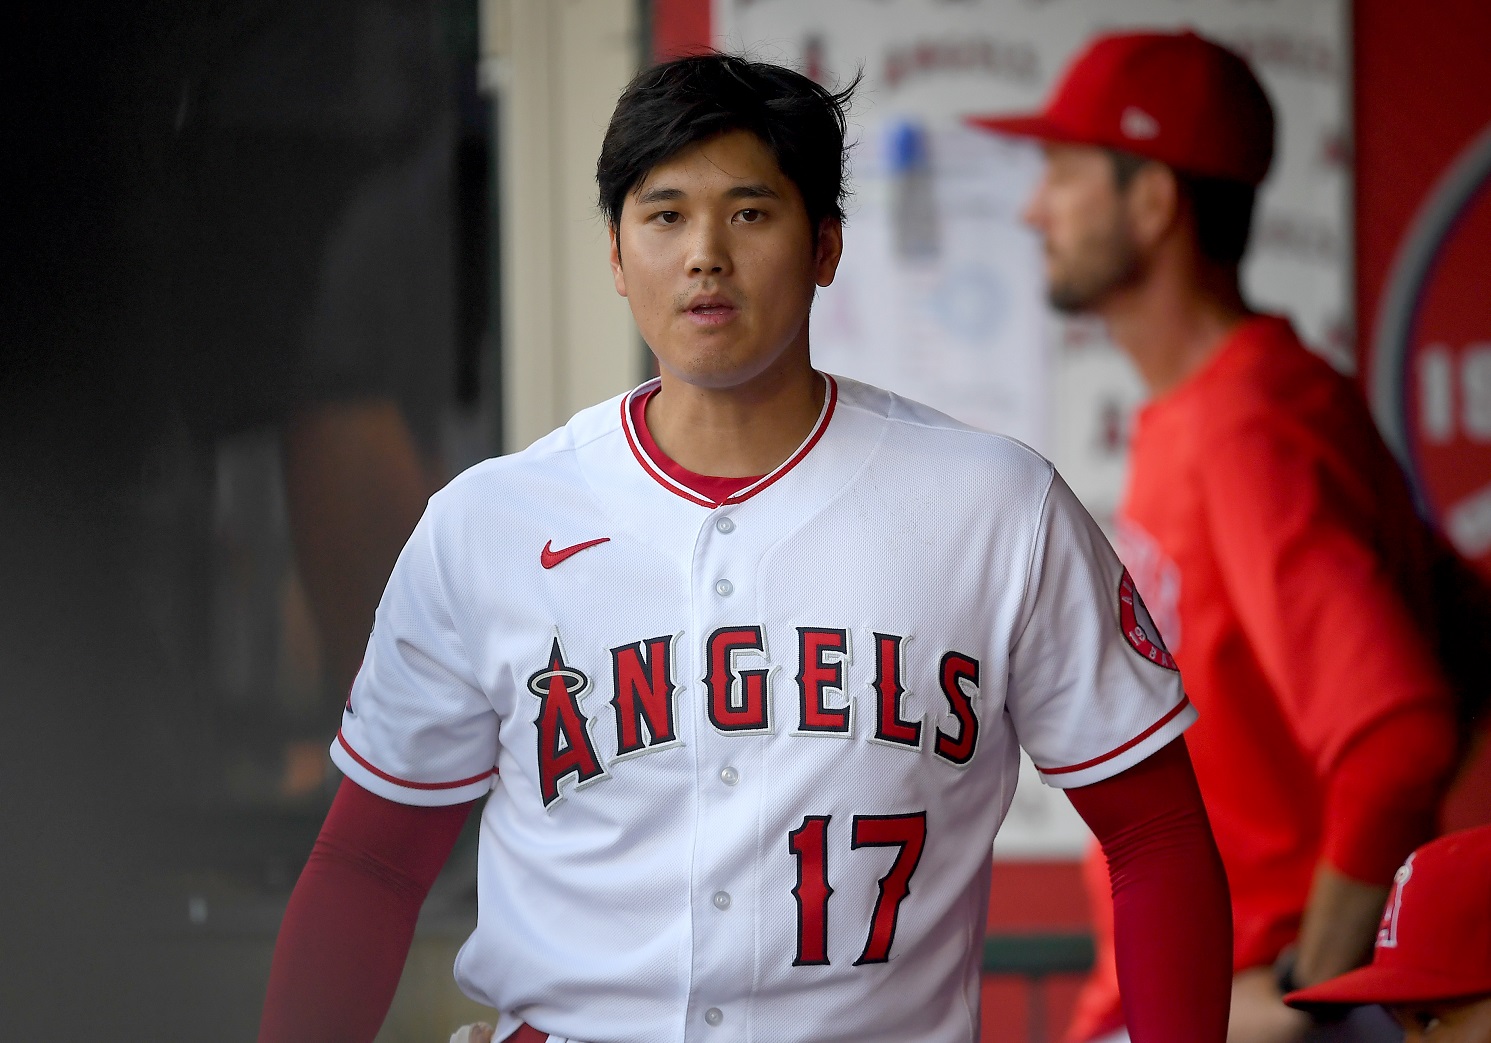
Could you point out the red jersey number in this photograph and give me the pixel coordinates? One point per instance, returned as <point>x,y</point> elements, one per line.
<point>809,845</point>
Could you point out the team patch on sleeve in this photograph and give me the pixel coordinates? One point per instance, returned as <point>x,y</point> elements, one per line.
<point>1138,628</point>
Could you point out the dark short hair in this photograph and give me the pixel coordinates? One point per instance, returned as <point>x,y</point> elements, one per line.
<point>1223,208</point>
<point>682,102</point>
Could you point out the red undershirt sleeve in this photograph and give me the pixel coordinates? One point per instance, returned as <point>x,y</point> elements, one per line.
<point>1172,916</point>
<point>350,920</point>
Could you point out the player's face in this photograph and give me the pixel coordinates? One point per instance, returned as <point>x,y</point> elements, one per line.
<point>1446,1022</point>
<point>715,254</point>
<point>1080,214</point>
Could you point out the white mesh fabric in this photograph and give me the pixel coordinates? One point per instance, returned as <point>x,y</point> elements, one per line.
<point>1084,692</point>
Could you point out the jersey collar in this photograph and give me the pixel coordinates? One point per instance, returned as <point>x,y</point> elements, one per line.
<point>830,400</point>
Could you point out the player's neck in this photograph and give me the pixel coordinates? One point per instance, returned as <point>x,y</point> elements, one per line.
<point>1174,319</point>
<point>740,431</point>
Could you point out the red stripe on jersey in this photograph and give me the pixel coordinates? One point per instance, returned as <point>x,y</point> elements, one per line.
<point>673,485</point>
<point>643,459</point>
<point>360,759</point>
<point>1135,741</point>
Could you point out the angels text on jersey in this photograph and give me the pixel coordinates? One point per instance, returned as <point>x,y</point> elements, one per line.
<point>743,695</point>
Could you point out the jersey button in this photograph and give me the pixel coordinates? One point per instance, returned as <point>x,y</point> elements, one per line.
<point>724,588</point>
<point>729,776</point>
<point>725,525</point>
<point>714,1015</point>
<point>721,900</point>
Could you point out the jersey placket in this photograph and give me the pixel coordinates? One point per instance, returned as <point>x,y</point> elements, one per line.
<point>728,639</point>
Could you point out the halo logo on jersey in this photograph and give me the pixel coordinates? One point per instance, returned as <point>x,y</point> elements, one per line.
<point>1138,628</point>
<point>564,746</point>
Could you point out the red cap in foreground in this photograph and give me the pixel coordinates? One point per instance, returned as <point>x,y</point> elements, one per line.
<point>1175,97</point>
<point>1434,944</point>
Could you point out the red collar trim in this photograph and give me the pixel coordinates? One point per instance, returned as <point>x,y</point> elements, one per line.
<point>635,440</point>
<point>707,486</point>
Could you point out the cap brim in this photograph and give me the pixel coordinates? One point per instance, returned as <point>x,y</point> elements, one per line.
<point>1374,984</point>
<point>1033,125</point>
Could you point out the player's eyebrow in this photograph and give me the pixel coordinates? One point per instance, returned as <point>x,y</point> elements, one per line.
<point>668,195</point>
<point>752,192</point>
<point>660,195</point>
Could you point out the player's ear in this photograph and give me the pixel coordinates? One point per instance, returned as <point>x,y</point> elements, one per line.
<point>617,275</point>
<point>1153,203</point>
<point>827,250</point>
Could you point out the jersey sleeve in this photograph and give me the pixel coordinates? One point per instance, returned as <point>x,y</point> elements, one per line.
<point>417,728</point>
<point>1092,690</point>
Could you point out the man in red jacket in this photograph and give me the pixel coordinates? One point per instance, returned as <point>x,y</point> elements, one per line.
<point>1265,523</point>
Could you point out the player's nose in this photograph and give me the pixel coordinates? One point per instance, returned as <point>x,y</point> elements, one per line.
<point>709,250</point>
<point>1035,212</point>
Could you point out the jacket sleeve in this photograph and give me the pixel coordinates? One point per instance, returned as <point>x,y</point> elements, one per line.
<point>1327,620</point>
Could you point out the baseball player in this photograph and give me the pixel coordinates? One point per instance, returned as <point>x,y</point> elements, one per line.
<point>1264,521</point>
<point>1431,965</point>
<point>741,662</point>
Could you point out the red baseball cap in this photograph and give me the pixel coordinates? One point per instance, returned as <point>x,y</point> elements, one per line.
<point>1176,97</point>
<point>1434,944</point>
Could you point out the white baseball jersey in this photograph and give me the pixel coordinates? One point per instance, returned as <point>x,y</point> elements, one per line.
<point>747,759</point>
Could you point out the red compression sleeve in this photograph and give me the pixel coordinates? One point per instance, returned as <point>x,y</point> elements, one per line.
<point>1172,915</point>
<point>1384,794</point>
<point>350,920</point>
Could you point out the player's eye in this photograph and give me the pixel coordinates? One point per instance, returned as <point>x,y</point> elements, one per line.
<point>750,216</point>
<point>667,217</point>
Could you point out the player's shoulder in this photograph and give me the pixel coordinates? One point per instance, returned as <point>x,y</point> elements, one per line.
<point>1272,389</point>
<point>1266,372</point>
<point>546,468</point>
<point>940,443</point>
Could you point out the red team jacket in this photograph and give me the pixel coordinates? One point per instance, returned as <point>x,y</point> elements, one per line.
<point>1276,545</point>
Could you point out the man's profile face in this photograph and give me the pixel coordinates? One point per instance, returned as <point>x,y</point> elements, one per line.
<point>715,254</point>
<point>1079,212</point>
<point>1446,1022</point>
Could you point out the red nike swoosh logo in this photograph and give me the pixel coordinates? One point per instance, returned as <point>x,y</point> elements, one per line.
<point>549,557</point>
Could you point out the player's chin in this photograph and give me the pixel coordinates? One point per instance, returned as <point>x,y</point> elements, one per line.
<point>1068,296</point>
<point>716,377</point>
<point>718,371</point>
<point>712,361</point>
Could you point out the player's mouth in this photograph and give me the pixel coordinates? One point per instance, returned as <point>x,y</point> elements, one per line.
<point>710,310</point>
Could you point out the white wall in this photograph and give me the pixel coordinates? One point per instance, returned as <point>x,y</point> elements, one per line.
<point>555,68</point>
